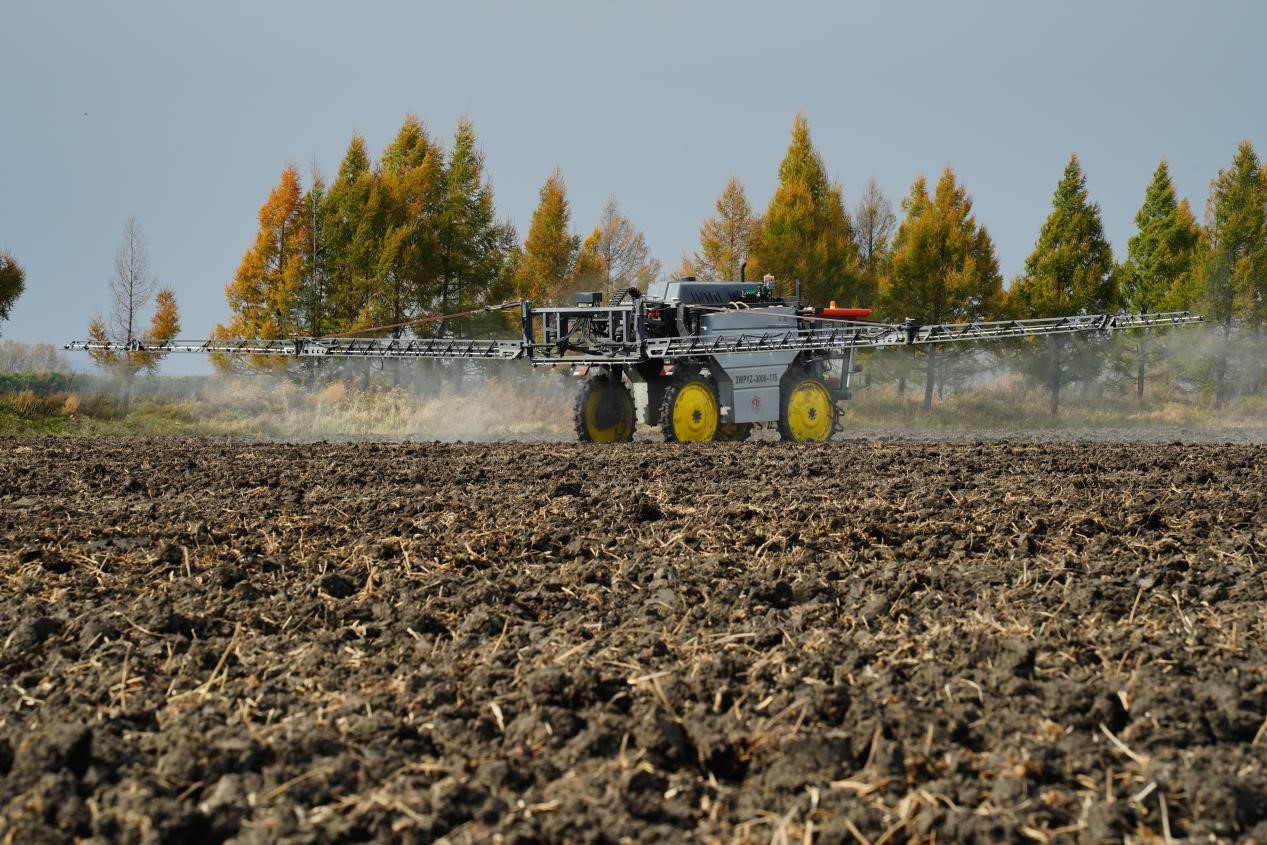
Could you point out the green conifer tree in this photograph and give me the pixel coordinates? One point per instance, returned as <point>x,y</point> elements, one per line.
<point>405,206</point>
<point>409,149</point>
<point>349,237</point>
<point>943,267</point>
<point>806,232</point>
<point>1158,266</point>
<point>473,249</point>
<point>315,281</point>
<point>1234,266</point>
<point>1236,214</point>
<point>1071,271</point>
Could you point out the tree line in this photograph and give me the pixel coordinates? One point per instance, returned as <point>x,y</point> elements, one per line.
<point>938,263</point>
<point>416,233</point>
<point>412,235</point>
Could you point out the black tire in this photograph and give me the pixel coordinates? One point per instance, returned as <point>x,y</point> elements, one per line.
<point>604,411</point>
<point>690,411</point>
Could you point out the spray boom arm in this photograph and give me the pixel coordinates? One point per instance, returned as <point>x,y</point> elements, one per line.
<point>618,334</point>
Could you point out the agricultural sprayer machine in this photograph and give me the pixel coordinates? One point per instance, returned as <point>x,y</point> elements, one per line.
<point>701,360</point>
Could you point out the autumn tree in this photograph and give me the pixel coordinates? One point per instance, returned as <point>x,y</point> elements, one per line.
<point>126,363</point>
<point>1071,271</point>
<point>806,232</point>
<point>132,287</point>
<point>943,265</point>
<point>727,239</point>
<point>12,283</point>
<point>1159,265</point>
<point>545,267</point>
<point>264,293</point>
<point>164,325</point>
<point>615,257</point>
<point>688,267</point>
<point>380,246</point>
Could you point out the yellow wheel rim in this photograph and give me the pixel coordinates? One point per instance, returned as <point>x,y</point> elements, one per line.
<point>695,413</point>
<point>616,432</point>
<point>809,411</point>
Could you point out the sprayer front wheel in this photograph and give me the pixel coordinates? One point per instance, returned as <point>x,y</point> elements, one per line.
<point>604,411</point>
<point>690,412</point>
<point>808,413</point>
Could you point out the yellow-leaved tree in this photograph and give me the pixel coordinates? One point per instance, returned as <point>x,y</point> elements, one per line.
<point>545,269</point>
<point>727,239</point>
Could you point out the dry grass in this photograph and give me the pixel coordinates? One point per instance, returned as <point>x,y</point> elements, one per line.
<point>27,405</point>
<point>1013,404</point>
<point>493,408</point>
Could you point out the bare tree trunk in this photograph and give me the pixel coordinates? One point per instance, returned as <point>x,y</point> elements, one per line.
<point>132,285</point>
<point>129,375</point>
<point>1054,380</point>
<point>1143,366</point>
<point>1220,380</point>
<point>930,377</point>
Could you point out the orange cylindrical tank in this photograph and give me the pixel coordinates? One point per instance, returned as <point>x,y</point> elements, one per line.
<point>846,313</point>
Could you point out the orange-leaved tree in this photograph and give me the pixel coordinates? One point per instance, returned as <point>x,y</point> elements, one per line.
<point>264,294</point>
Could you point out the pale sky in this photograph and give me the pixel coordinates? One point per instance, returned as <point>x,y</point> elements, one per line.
<point>185,116</point>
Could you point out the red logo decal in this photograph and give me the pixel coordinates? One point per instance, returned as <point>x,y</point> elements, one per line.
<point>756,402</point>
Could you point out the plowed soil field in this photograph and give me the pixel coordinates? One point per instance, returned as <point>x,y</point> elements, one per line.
<point>868,641</point>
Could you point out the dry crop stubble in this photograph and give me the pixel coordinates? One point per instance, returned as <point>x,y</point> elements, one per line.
<point>868,641</point>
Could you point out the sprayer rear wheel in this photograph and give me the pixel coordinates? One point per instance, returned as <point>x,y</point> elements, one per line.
<point>604,410</point>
